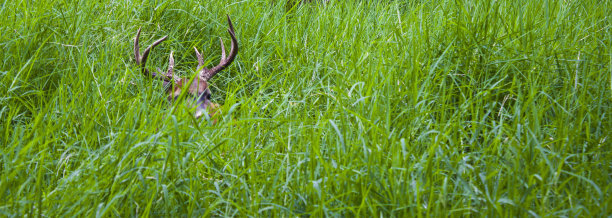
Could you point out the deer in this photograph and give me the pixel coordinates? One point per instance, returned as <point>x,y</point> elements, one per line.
<point>198,93</point>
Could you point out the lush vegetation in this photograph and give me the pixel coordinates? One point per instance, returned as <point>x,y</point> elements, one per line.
<point>386,108</point>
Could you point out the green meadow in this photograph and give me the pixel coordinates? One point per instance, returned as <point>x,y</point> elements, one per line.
<point>347,108</point>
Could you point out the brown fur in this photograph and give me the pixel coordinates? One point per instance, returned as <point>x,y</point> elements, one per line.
<point>198,85</point>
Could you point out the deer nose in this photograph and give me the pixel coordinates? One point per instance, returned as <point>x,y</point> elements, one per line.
<point>198,114</point>
<point>200,110</point>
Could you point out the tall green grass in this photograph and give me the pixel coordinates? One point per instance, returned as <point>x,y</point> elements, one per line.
<point>370,108</point>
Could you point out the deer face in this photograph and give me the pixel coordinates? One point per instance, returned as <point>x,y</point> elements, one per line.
<point>198,93</point>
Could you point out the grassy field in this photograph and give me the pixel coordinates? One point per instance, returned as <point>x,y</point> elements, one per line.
<point>371,108</point>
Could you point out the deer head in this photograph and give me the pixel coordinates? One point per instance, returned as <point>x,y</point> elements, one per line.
<point>197,89</point>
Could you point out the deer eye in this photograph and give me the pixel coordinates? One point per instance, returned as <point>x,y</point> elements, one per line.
<point>206,94</point>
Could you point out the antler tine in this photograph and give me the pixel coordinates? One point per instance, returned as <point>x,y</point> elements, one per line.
<point>145,54</point>
<point>142,60</point>
<point>200,60</point>
<point>222,50</point>
<point>170,73</point>
<point>225,62</point>
<point>136,47</point>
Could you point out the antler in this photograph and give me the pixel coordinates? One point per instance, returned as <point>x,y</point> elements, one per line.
<point>225,62</point>
<point>142,60</point>
<point>170,73</point>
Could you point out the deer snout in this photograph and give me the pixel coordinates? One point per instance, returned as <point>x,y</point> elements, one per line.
<point>207,108</point>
